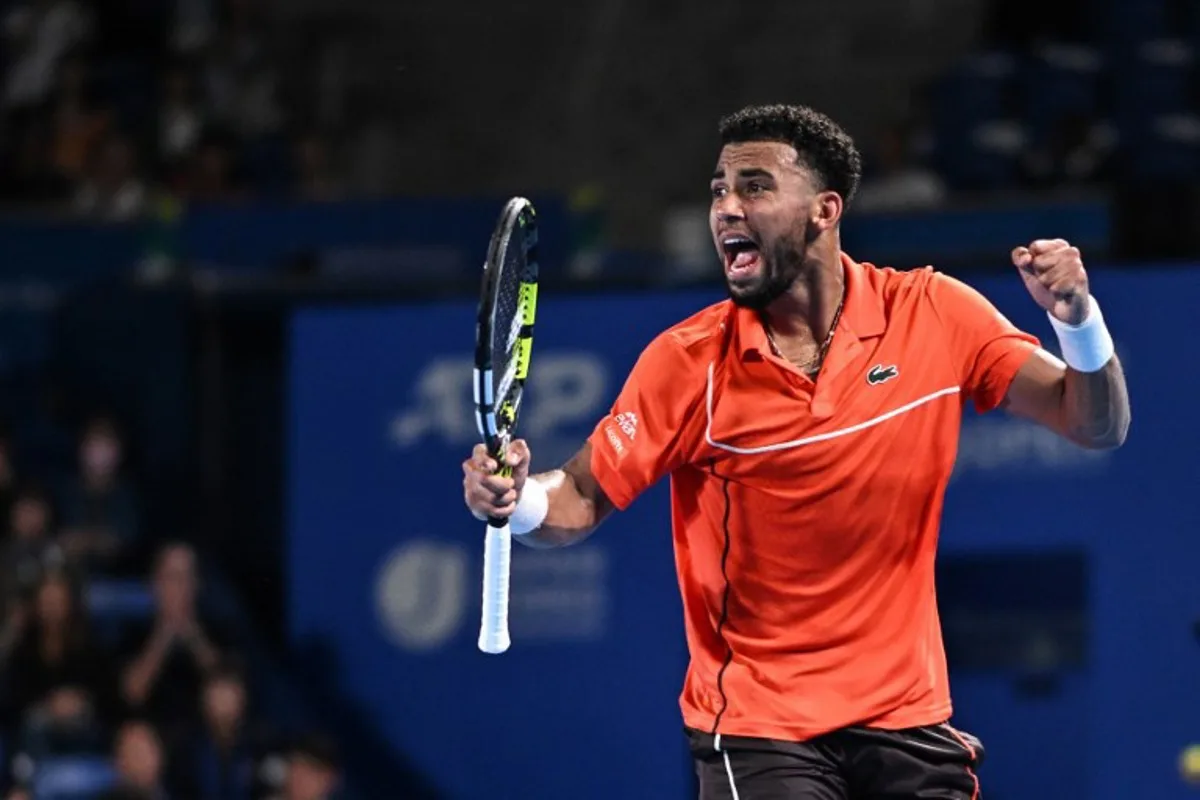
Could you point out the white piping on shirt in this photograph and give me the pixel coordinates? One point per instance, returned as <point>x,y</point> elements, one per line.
<point>820,437</point>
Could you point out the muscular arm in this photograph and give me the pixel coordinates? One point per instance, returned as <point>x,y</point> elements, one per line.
<point>577,504</point>
<point>643,438</point>
<point>1088,408</point>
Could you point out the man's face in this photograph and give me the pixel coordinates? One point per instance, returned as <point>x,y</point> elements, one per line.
<point>54,601</point>
<point>100,453</point>
<point>763,202</point>
<point>30,518</point>
<point>224,703</point>
<point>309,779</point>
<point>139,757</point>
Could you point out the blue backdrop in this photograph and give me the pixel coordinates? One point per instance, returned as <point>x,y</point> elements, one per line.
<point>1070,582</point>
<point>423,239</point>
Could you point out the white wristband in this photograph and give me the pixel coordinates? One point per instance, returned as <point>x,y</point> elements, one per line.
<point>531,509</point>
<point>1088,346</point>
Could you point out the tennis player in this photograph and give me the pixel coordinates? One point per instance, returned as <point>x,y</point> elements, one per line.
<point>809,425</point>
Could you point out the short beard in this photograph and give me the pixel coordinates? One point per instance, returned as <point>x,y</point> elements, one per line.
<point>780,269</point>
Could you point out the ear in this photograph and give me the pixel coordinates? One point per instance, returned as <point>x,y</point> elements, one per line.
<point>827,210</point>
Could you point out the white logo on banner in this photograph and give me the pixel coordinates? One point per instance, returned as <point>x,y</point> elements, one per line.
<point>560,595</point>
<point>565,389</point>
<point>421,594</point>
<point>1003,444</point>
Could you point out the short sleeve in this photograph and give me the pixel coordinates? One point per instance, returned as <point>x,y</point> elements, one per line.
<point>645,435</point>
<point>986,348</point>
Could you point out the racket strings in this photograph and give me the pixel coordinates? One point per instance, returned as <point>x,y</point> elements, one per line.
<point>507,325</point>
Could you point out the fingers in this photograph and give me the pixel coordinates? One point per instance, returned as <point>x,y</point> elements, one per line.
<point>518,452</point>
<point>518,456</point>
<point>487,493</point>
<point>503,512</point>
<point>1044,255</point>
<point>1054,274</point>
<point>1063,281</point>
<point>1067,256</point>
<point>1063,286</point>
<point>495,500</point>
<point>480,461</point>
<point>496,484</point>
<point>481,475</point>
<point>1045,246</point>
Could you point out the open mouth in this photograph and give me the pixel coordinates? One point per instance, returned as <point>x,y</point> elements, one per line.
<point>742,257</point>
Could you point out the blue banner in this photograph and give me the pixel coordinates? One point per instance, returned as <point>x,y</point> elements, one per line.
<point>1117,727</point>
<point>420,239</point>
<point>385,562</point>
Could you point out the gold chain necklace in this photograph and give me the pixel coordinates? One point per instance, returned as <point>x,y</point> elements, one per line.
<point>814,366</point>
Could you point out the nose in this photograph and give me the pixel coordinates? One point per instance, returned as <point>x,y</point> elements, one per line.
<point>728,209</point>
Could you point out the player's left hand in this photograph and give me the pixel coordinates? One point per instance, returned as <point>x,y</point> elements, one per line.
<point>1053,273</point>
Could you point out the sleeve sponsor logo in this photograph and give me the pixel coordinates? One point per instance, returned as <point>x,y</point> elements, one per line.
<point>620,431</point>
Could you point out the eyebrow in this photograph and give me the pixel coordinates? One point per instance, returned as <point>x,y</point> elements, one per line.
<point>752,172</point>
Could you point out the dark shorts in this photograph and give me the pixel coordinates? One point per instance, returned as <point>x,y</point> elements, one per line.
<point>935,761</point>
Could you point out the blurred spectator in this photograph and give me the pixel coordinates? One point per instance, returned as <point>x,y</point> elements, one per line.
<point>168,660</point>
<point>315,179</point>
<point>224,762</point>
<point>38,33</point>
<point>193,26</point>
<point>101,526</point>
<point>62,687</point>
<point>79,122</point>
<point>113,192</point>
<point>897,182</point>
<point>8,472</point>
<point>1077,152</point>
<point>180,120</point>
<point>139,756</point>
<point>79,103</point>
<point>239,79</point>
<point>30,551</point>
<point>210,176</point>
<point>313,771</point>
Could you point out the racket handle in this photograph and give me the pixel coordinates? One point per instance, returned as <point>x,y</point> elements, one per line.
<point>497,555</point>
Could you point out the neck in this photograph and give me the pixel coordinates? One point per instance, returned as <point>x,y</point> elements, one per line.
<point>98,481</point>
<point>225,734</point>
<point>808,308</point>
<point>54,637</point>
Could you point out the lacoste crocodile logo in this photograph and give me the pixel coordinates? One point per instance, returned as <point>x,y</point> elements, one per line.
<point>879,373</point>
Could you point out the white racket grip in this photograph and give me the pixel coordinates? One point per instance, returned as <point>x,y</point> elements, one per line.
<point>497,557</point>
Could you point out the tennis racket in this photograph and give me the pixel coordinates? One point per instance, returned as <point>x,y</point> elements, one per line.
<point>503,345</point>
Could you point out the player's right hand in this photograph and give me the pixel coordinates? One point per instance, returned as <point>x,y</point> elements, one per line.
<point>488,494</point>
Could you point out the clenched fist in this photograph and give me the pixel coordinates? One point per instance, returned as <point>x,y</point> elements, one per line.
<point>1053,273</point>
<point>488,494</point>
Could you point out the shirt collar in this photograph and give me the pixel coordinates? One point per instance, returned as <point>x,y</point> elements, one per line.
<point>862,314</point>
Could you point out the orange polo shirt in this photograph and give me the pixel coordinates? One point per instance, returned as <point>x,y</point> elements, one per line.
<point>805,514</point>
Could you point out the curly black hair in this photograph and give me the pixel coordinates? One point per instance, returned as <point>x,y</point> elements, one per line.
<point>820,142</point>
